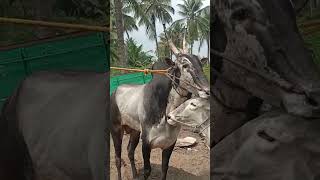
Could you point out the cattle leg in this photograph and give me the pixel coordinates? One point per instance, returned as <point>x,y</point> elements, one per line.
<point>133,142</point>
<point>117,136</point>
<point>166,154</point>
<point>146,150</point>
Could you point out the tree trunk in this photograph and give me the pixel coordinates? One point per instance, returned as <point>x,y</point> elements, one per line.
<point>191,45</point>
<point>208,44</point>
<point>43,11</point>
<point>311,8</point>
<point>155,35</point>
<point>157,54</point>
<point>120,33</point>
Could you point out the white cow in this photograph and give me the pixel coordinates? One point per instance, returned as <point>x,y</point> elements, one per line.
<point>194,112</point>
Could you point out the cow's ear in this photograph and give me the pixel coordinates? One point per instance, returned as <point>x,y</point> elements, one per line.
<point>204,61</point>
<point>299,5</point>
<point>169,61</point>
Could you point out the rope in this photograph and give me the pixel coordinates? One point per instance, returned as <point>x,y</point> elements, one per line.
<point>145,71</point>
<point>283,85</point>
<point>176,85</point>
<point>53,24</point>
<point>164,72</point>
<point>186,124</point>
<point>194,126</point>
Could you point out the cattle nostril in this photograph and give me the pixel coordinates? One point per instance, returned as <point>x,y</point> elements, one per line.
<point>169,117</point>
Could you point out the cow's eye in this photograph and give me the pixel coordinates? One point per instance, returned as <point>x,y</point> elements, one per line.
<point>192,104</point>
<point>185,65</point>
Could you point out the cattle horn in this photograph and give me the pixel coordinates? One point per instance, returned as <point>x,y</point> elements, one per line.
<point>173,48</point>
<point>184,44</point>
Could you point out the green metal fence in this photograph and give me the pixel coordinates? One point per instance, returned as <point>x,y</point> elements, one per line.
<point>134,78</point>
<point>83,51</point>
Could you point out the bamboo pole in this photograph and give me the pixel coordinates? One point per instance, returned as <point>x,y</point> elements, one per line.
<point>53,24</point>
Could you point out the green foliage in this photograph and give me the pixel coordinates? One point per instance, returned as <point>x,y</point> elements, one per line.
<point>136,56</point>
<point>154,10</point>
<point>309,27</point>
<point>313,44</point>
<point>174,33</point>
<point>206,70</point>
<point>195,20</point>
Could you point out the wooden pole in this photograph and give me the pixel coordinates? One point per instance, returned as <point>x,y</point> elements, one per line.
<point>53,24</point>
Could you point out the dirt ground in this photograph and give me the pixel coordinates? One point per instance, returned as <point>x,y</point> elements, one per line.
<point>185,164</point>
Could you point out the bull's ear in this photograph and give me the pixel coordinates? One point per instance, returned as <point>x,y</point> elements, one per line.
<point>299,5</point>
<point>169,61</point>
<point>204,61</point>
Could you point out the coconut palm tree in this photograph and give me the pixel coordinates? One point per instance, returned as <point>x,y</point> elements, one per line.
<point>118,5</point>
<point>126,12</point>
<point>129,21</point>
<point>164,49</point>
<point>193,19</point>
<point>204,32</point>
<point>156,10</point>
<point>173,33</point>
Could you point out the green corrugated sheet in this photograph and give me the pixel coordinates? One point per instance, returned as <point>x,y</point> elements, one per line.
<point>134,78</point>
<point>86,52</point>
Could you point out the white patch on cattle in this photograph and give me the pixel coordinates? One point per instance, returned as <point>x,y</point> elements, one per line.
<point>129,102</point>
<point>163,135</point>
<point>193,112</point>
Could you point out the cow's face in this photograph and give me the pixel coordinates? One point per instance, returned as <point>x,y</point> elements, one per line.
<point>263,34</point>
<point>192,77</point>
<point>193,112</point>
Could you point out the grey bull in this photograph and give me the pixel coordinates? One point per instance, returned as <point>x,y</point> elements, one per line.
<point>195,113</point>
<point>249,143</point>
<point>143,108</point>
<point>54,127</point>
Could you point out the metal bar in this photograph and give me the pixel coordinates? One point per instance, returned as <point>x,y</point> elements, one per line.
<point>53,24</point>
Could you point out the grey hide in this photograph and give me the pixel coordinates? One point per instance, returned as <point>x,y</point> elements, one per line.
<point>62,118</point>
<point>249,143</point>
<point>274,146</point>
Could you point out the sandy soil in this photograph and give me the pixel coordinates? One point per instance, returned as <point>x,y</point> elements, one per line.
<point>185,163</point>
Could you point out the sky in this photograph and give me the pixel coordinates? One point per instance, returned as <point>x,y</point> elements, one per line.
<point>141,38</point>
